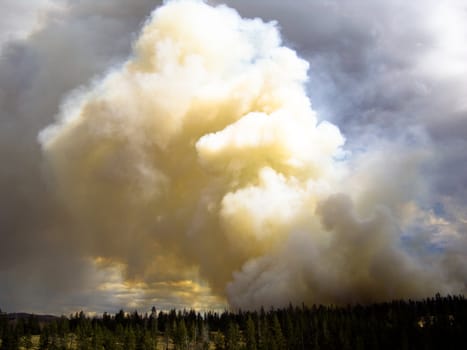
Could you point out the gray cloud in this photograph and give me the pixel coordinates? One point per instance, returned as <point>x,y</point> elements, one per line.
<point>75,42</point>
<point>387,71</point>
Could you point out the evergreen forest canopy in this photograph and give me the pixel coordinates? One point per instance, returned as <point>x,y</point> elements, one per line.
<point>433,323</point>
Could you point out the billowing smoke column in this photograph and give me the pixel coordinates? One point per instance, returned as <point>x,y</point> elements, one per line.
<point>201,156</point>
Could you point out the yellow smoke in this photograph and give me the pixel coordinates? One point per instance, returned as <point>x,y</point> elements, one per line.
<point>201,158</point>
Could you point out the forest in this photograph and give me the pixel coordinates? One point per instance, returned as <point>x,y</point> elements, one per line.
<point>433,323</point>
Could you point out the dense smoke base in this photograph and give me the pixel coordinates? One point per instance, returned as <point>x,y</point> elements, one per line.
<point>201,156</point>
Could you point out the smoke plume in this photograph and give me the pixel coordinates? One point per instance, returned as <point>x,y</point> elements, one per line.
<point>201,156</point>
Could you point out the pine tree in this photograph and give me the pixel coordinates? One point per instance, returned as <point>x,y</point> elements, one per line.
<point>289,332</point>
<point>277,336</point>
<point>181,335</point>
<point>119,336</point>
<point>146,341</point>
<point>250,334</point>
<point>130,339</point>
<point>97,339</point>
<point>232,336</point>
<point>110,340</point>
<point>263,332</point>
<point>167,334</point>
<point>83,338</point>
<point>153,323</point>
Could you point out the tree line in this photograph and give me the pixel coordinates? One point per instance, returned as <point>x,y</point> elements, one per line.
<point>432,323</point>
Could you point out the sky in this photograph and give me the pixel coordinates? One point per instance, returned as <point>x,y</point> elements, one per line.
<point>231,154</point>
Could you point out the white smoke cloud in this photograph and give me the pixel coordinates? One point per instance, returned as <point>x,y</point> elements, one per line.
<point>203,148</point>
